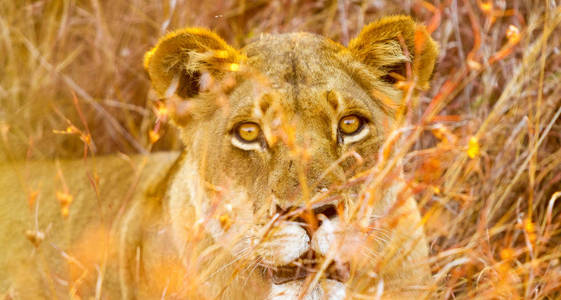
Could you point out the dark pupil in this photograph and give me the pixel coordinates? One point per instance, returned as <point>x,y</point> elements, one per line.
<point>350,121</point>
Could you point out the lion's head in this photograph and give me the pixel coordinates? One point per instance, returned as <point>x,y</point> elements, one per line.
<point>274,132</point>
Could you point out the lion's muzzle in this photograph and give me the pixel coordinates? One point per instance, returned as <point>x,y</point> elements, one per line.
<point>292,253</point>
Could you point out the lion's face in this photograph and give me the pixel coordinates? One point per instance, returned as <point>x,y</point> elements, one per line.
<point>275,131</point>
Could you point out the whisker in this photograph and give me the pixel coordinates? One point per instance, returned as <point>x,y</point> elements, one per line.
<point>256,264</point>
<point>236,259</point>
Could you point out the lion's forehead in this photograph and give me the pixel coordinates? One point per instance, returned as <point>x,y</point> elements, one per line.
<point>302,44</point>
<point>300,89</point>
<point>296,58</point>
<point>298,69</point>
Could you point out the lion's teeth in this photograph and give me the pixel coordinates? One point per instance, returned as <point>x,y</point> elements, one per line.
<point>291,291</point>
<point>335,290</point>
<point>329,289</point>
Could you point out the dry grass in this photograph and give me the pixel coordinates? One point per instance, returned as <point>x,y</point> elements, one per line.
<point>485,141</point>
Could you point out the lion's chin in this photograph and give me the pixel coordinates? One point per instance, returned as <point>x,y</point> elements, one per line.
<point>289,282</point>
<point>325,289</point>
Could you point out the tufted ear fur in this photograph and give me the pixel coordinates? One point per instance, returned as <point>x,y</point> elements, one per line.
<point>180,58</point>
<point>378,45</point>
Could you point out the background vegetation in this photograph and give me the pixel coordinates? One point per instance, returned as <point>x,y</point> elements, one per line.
<point>485,157</point>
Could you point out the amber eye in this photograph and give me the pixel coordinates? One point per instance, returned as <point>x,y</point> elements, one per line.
<point>248,132</point>
<point>350,124</point>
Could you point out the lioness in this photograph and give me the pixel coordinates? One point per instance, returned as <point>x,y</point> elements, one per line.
<point>271,198</point>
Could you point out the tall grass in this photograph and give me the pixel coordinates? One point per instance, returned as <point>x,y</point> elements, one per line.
<point>485,155</point>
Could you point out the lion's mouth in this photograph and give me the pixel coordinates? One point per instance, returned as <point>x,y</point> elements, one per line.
<point>306,266</point>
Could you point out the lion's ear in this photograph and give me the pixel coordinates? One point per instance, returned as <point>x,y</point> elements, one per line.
<point>379,45</point>
<point>178,60</point>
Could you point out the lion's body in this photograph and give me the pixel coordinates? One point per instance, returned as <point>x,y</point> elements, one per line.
<point>237,210</point>
<point>90,230</point>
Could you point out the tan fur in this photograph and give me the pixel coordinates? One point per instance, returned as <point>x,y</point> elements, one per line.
<point>196,228</point>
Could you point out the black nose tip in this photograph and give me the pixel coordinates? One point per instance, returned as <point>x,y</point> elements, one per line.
<point>328,210</point>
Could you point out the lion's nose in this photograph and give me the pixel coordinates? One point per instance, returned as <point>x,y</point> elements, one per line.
<point>328,210</point>
<point>321,212</point>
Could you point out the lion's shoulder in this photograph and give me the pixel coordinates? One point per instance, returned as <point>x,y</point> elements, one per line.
<point>97,192</point>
